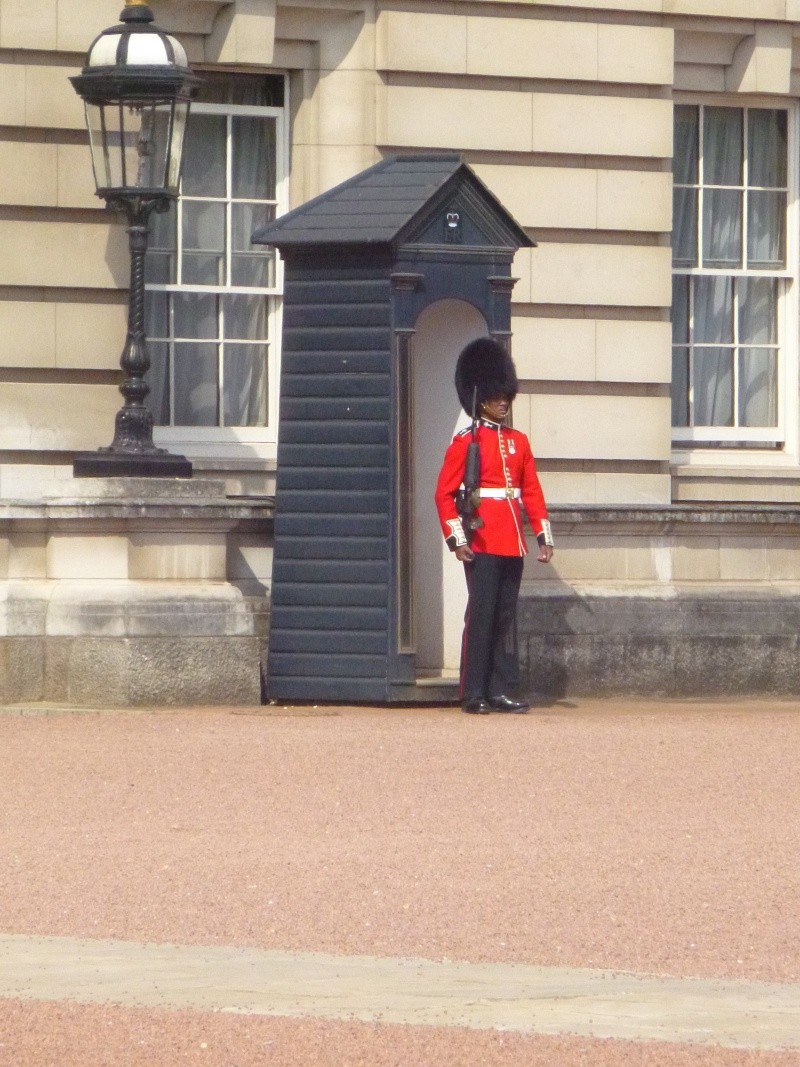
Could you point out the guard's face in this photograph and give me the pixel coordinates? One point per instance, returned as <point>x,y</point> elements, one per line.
<point>496,408</point>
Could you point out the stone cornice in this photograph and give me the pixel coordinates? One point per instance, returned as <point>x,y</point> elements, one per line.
<point>768,10</point>
<point>225,513</point>
<point>705,518</point>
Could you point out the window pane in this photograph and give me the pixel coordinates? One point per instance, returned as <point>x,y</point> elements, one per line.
<point>156,322</point>
<point>254,158</point>
<point>157,400</point>
<point>246,317</point>
<point>203,226</point>
<point>162,229</point>
<point>758,311</point>
<point>766,147</point>
<point>254,270</point>
<point>766,229</point>
<point>204,156</point>
<point>684,227</point>
<point>245,219</point>
<point>684,162</point>
<point>203,269</point>
<point>196,389</point>
<point>159,268</point>
<point>722,228</point>
<point>758,387</point>
<point>203,243</point>
<point>245,388</point>
<point>251,265</point>
<point>680,387</point>
<point>722,146</point>
<point>712,386</point>
<point>195,315</point>
<point>680,309</point>
<point>713,309</point>
<point>160,258</point>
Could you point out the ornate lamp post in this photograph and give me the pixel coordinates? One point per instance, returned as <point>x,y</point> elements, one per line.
<point>136,87</point>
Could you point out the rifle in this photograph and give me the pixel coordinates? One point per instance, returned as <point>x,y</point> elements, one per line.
<point>468,498</point>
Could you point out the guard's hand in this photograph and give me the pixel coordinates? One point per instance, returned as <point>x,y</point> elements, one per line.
<point>545,554</point>
<point>464,554</point>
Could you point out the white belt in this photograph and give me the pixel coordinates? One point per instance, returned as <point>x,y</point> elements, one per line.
<point>500,494</point>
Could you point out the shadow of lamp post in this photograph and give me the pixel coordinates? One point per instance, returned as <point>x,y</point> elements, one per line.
<point>136,87</point>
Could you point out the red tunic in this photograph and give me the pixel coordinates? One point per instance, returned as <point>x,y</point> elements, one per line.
<point>506,463</point>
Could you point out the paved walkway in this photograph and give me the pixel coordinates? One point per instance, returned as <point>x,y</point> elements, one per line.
<point>537,1000</point>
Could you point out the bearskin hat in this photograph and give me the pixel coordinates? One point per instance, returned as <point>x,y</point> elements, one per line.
<point>485,364</point>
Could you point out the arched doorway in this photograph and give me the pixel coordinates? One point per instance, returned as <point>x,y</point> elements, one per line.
<point>439,589</point>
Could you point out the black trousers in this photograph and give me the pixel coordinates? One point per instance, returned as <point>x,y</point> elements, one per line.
<point>489,653</point>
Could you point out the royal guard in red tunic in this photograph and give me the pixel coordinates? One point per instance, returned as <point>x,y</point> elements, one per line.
<point>482,524</point>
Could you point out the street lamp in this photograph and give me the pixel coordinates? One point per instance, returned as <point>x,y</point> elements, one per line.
<point>136,87</point>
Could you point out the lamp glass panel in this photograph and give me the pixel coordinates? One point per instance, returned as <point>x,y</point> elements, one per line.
<point>180,115</point>
<point>107,140</point>
<point>145,139</point>
<point>95,123</point>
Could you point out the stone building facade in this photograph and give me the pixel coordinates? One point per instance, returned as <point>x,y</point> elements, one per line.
<point>650,146</point>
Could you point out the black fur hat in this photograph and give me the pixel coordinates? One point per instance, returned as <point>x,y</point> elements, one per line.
<point>486,364</point>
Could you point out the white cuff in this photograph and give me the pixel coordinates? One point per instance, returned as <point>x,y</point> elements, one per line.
<point>456,538</point>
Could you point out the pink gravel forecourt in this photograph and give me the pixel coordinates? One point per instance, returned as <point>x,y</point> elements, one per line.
<point>73,1035</point>
<point>656,837</point>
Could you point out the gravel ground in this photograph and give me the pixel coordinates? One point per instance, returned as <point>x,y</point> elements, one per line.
<point>659,838</point>
<point>69,1035</point>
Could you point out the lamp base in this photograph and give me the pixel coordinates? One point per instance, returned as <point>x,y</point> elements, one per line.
<point>109,464</point>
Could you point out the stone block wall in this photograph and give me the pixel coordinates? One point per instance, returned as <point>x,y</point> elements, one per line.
<point>684,601</point>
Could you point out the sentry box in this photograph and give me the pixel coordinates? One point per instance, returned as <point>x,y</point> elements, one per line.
<point>387,277</point>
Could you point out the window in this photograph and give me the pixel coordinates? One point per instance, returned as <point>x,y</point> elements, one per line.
<point>213,298</point>
<point>732,271</point>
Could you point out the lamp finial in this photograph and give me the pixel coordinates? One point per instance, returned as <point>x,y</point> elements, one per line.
<point>136,11</point>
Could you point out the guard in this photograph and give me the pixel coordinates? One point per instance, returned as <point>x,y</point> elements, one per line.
<point>479,509</point>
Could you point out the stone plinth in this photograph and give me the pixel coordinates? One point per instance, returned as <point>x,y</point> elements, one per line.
<point>118,594</point>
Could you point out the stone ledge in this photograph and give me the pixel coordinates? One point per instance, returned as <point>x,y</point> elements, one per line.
<point>221,510</point>
<point>672,516</point>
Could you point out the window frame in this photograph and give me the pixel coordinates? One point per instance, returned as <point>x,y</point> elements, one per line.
<point>759,445</point>
<point>245,442</point>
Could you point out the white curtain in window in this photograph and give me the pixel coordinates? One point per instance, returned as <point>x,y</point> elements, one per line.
<point>767,176</point>
<point>722,207</point>
<point>245,366</point>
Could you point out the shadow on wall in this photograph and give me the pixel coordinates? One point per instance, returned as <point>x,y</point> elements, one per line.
<point>686,646</point>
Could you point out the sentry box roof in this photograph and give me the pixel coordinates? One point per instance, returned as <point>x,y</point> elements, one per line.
<point>398,202</point>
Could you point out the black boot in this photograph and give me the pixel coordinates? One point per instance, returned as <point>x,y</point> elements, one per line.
<point>504,703</point>
<point>477,706</point>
